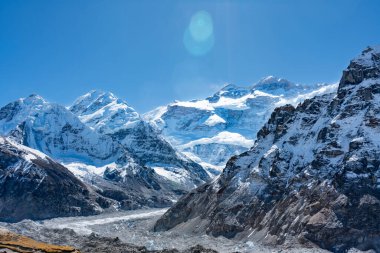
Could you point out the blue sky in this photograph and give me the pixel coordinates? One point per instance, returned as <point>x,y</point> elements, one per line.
<point>139,50</point>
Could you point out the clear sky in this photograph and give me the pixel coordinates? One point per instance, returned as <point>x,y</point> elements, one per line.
<point>153,52</point>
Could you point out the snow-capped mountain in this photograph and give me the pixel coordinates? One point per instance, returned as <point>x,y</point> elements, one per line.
<point>312,174</point>
<point>104,112</point>
<point>225,124</point>
<point>99,158</point>
<point>113,117</point>
<point>33,186</point>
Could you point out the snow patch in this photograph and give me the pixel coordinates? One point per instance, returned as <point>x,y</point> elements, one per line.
<point>224,137</point>
<point>214,120</point>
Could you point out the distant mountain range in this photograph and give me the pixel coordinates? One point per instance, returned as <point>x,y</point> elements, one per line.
<point>212,130</point>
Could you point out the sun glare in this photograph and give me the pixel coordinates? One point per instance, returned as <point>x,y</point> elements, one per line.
<point>199,35</point>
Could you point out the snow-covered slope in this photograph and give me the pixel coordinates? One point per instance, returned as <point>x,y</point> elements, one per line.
<point>113,117</point>
<point>312,174</point>
<point>225,124</point>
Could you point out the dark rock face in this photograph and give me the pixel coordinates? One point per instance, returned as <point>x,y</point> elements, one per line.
<point>313,173</point>
<point>33,186</point>
<point>366,66</point>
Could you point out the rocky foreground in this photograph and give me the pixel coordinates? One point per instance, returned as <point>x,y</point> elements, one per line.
<point>11,242</point>
<point>131,231</point>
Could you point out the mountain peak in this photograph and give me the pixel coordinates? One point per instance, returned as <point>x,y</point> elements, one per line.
<point>277,86</point>
<point>97,99</point>
<point>370,57</point>
<point>105,94</point>
<point>97,94</point>
<point>229,91</point>
<point>33,99</point>
<point>272,79</point>
<point>229,86</point>
<point>363,67</point>
<point>104,111</point>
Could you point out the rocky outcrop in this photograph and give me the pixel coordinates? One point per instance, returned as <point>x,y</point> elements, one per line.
<point>33,186</point>
<point>312,174</point>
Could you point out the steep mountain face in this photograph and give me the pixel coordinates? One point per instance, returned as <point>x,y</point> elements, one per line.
<point>225,124</point>
<point>313,172</point>
<point>113,117</point>
<point>33,186</point>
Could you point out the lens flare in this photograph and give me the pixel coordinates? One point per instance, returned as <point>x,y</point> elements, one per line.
<point>199,36</point>
<point>201,27</point>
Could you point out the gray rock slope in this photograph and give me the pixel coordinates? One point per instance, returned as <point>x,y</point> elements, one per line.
<point>312,174</point>
<point>34,186</point>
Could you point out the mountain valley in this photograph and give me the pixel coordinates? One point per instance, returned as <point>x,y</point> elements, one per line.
<point>271,167</point>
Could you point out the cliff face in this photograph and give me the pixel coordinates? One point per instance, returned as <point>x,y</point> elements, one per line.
<point>313,172</point>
